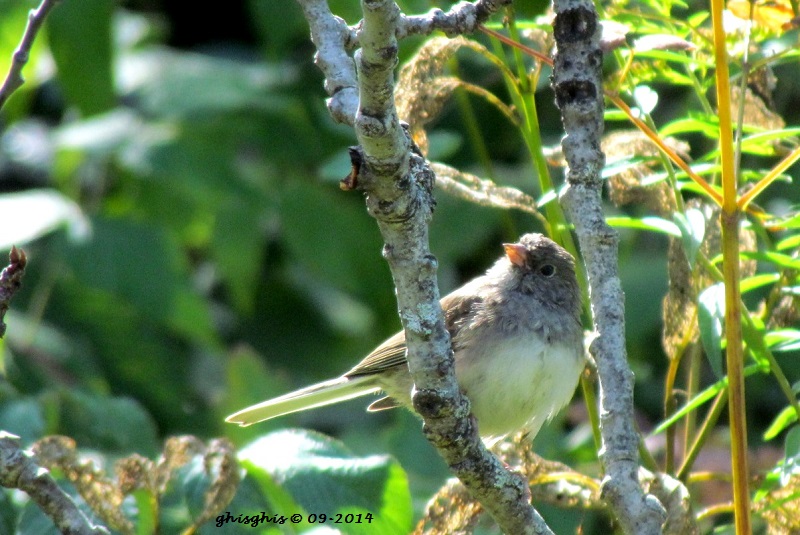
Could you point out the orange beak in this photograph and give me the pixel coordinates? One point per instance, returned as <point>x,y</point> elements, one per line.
<point>516,253</point>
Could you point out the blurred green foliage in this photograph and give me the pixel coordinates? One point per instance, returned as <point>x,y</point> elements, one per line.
<point>190,251</point>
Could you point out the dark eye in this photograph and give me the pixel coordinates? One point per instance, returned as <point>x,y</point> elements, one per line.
<point>548,270</point>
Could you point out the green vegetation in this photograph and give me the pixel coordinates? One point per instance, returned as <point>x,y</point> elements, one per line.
<point>190,253</point>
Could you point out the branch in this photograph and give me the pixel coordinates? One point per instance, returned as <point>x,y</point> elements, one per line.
<point>464,17</point>
<point>10,282</point>
<point>333,38</point>
<point>19,471</point>
<point>14,79</point>
<point>398,183</point>
<point>577,82</point>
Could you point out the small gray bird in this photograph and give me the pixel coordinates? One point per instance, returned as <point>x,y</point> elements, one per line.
<point>517,341</point>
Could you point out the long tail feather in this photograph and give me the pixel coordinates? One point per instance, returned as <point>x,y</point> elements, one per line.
<point>311,397</point>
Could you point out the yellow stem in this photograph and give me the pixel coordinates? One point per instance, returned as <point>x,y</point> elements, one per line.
<point>769,178</point>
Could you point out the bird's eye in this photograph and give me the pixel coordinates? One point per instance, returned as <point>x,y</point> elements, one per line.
<point>548,270</point>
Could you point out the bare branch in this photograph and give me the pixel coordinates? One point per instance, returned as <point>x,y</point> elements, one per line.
<point>462,18</point>
<point>333,38</point>
<point>577,82</point>
<point>10,282</point>
<point>19,471</point>
<point>14,79</point>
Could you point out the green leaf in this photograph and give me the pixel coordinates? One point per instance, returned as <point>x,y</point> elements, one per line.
<point>652,223</point>
<point>117,425</point>
<point>31,214</point>
<point>790,222</point>
<point>757,281</point>
<point>784,419</point>
<point>705,126</point>
<point>24,418</point>
<point>700,399</point>
<point>336,243</point>
<point>779,259</point>
<point>711,318</point>
<point>791,452</point>
<point>238,248</point>
<point>134,261</point>
<point>193,86</point>
<point>80,41</point>
<point>783,340</point>
<point>693,227</point>
<point>325,478</point>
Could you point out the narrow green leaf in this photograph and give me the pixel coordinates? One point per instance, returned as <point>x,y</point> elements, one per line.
<point>711,317</point>
<point>652,223</point>
<point>700,399</point>
<point>779,259</point>
<point>692,225</point>
<point>791,452</point>
<point>783,340</point>
<point>787,417</point>
<point>757,281</point>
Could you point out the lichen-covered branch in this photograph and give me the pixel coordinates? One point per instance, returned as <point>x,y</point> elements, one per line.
<point>19,471</point>
<point>577,83</point>
<point>398,184</point>
<point>333,38</point>
<point>14,79</point>
<point>461,19</point>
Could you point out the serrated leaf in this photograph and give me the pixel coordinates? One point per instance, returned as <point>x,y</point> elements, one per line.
<point>711,318</point>
<point>324,477</point>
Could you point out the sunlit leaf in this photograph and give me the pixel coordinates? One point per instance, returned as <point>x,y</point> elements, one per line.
<point>31,214</point>
<point>783,339</point>
<point>652,223</point>
<point>711,318</point>
<point>784,419</point>
<point>692,225</point>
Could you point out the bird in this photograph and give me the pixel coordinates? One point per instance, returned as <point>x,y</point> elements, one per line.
<point>517,343</point>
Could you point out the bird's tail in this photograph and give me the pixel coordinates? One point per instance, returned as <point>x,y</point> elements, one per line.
<point>311,397</point>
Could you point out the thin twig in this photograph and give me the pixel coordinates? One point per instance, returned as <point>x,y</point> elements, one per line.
<point>10,281</point>
<point>14,79</point>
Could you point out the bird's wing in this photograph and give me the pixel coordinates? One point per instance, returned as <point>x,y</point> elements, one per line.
<point>392,352</point>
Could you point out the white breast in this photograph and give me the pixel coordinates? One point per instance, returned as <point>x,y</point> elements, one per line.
<point>518,384</point>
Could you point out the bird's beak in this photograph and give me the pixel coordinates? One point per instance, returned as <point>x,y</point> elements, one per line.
<point>516,253</point>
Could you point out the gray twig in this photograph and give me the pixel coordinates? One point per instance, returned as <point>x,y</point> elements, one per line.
<point>577,82</point>
<point>19,471</point>
<point>14,79</point>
